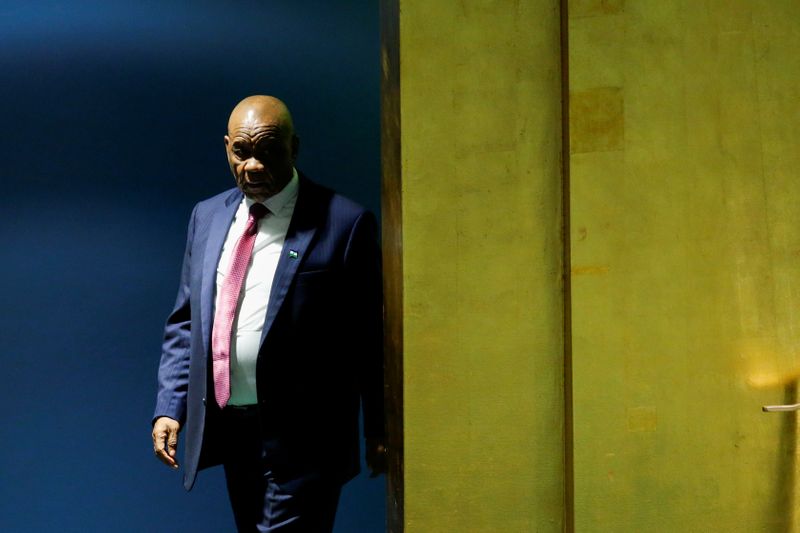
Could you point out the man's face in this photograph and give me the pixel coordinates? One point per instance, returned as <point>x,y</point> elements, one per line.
<point>261,153</point>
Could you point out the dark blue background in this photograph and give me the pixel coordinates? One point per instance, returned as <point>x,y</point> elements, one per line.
<point>112,121</point>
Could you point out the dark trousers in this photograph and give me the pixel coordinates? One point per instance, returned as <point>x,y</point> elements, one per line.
<point>263,502</point>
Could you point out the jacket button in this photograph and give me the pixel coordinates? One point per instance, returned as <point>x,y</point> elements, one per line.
<point>204,401</point>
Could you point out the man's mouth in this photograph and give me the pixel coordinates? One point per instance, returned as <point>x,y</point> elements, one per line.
<point>256,181</point>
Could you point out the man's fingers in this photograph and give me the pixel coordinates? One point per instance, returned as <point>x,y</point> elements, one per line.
<point>172,442</point>
<point>165,441</point>
<point>159,447</point>
<point>376,457</point>
<point>159,436</point>
<point>164,457</point>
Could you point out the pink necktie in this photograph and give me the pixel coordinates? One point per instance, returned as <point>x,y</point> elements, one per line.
<point>228,302</point>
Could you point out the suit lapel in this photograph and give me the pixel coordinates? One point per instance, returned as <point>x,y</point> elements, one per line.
<point>217,232</point>
<point>298,238</point>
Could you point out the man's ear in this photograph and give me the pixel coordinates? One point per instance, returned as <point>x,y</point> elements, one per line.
<point>295,147</point>
<point>227,141</point>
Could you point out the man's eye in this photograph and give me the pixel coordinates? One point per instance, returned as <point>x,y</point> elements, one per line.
<point>238,152</point>
<point>272,151</point>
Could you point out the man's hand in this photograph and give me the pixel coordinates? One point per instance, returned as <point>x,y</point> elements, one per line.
<point>376,457</point>
<point>165,440</point>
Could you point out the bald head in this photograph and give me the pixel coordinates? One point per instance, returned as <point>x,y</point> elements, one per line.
<point>262,107</point>
<point>261,146</point>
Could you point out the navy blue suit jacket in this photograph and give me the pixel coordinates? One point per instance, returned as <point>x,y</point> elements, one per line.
<point>321,347</point>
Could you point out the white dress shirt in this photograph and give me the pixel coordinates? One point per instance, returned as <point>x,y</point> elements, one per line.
<point>252,311</point>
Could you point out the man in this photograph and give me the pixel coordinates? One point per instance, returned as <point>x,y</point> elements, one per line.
<point>276,336</point>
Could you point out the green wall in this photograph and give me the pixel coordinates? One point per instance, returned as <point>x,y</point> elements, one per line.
<point>481,130</point>
<point>684,246</point>
<point>685,225</point>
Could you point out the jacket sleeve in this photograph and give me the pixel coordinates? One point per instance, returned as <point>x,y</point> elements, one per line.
<point>363,266</point>
<point>173,371</point>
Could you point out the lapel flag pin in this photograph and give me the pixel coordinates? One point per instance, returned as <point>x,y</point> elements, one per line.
<point>292,254</point>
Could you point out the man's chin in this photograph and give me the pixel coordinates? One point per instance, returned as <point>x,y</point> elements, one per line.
<point>256,193</point>
<point>258,197</point>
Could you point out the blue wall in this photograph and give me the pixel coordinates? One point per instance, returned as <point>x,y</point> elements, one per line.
<point>112,121</point>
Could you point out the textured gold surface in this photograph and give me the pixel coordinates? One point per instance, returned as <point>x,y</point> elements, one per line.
<point>596,121</point>
<point>481,130</point>
<point>686,266</point>
<point>591,8</point>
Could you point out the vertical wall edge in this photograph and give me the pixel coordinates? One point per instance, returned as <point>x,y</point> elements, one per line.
<point>391,209</point>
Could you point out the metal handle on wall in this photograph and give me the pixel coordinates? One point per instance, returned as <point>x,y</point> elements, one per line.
<point>781,408</point>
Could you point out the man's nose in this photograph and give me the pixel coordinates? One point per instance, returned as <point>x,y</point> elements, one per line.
<point>253,165</point>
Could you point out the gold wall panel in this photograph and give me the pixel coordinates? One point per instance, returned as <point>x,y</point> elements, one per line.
<point>481,195</point>
<point>685,249</point>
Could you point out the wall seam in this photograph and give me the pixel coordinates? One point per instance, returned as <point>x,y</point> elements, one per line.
<point>569,466</point>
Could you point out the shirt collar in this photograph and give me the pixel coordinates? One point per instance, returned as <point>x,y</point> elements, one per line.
<point>278,201</point>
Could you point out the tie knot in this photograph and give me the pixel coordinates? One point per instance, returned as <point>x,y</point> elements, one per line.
<point>258,211</point>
